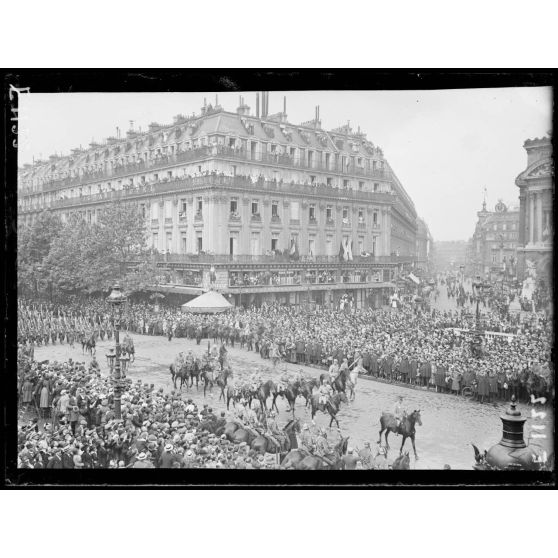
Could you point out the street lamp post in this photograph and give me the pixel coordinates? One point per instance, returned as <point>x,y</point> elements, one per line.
<point>308,277</point>
<point>117,300</point>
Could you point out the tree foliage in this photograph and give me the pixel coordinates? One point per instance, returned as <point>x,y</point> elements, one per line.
<point>91,257</point>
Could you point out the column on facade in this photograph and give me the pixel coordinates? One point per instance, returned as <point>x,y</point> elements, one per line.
<point>531,204</point>
<point>539,217</point>
<point>175,230</point>
<point>162,233</point>
<point>522,219</point>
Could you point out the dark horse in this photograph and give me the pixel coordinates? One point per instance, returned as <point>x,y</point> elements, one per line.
<point>263,444</point>
<point>128,347</point>
<point>313,462</point>
<point>234,394</point>
<point>222,380</point>
<point>339,384</point>
<point>332,406</point>
<point>267,389</point>
<point>181,372</point>
<point>88,344</point>
<point>388,423</point>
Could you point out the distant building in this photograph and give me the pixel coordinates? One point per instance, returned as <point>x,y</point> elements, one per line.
<point>449,254</point>
<point>536,230</point>
<point>493,246</point>
<point>424,246</point>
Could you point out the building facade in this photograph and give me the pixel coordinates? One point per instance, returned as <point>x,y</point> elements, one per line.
<point>494,242</point>
<point>424,246</point>
<point>536,197</point>
<point>250,204</point>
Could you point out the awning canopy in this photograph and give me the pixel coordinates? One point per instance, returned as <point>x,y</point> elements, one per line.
<point>211,302</point>
<point>177,289</point>
<point>414,278</point>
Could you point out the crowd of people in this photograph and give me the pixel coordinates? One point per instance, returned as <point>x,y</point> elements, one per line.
<point>77,428</point>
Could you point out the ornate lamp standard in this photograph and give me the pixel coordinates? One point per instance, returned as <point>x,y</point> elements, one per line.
<point>117,299</point>
<point>308,277</point>
<point>478,290</point>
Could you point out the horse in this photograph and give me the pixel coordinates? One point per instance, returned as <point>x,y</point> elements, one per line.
<point>291,393</point>
<point>266,390</point>
<point>88,345</point>
<point>306,389</point>
<point>182,372</point>
<point>263,444</point>
<point>234,394</point>
<point>239,434</point>
<point>222,380</point>
<point>207,376</point>
<point>128,347</point>
<point>314,462</point>
<point>402,463</point>
<point>332,406</point>
<point>406,428</point>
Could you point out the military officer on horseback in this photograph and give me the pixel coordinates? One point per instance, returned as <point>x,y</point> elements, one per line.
<point>325,391</point>
<point>399,412</point>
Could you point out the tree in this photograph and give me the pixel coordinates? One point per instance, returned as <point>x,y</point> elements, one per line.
<point>33,246</point>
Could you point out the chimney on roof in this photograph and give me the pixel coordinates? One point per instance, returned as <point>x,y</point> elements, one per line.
<point>258,104</point>
<point>284,104</point>
<point>243,109</point>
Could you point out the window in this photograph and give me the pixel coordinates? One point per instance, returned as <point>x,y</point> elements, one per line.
<point>234,205</point>
<point>234,170</point>
<point>345,183</point>
<point>274,242</point>
<point>155,177</point>
<point>329,214</point>
<point>312,179</point>
<point>255,244</point>
<point>199,168</point>
<point>311,246</point>
<point>255,207</point>
<point>143,179</point>
<point>494,256</point>
<point>183,244</point>
<point>199,202</point>
<point>169,174</point>
<point>312,212</point>
<point>232,144</point>
<point>327,158</point>
<point>183,207</point>
<point>329,245</point>
<point>375,217</point>
<point>329,181</point>
<point>376,185</point>
<point>169,242</point>
<point>155,241</point>
<point>200,243</point>
<point>345,215</point>
<point>275,209</point>
<point>374,245</point>
<point>295,207</point>
<point>273,148</point>
<point>359,161</point>
<point>360,215</point>
<point>361,185</point>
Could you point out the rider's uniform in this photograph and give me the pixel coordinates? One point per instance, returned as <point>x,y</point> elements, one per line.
<point>398,412</point>
<point>325,392</point>
<point>333,371</point>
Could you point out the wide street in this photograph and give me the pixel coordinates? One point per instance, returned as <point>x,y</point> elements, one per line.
<point>449,423</point>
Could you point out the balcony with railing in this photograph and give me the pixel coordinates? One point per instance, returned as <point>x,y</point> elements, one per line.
<point>276,258</point>
<point>182,184</point>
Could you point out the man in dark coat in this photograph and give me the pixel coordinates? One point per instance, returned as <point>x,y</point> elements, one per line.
<point>55,462</point>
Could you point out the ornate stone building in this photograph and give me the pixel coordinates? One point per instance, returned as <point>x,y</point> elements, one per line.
<point>494,242</point>
<point>423,259</point>
<point>536,196</point>
<point>254,205</point>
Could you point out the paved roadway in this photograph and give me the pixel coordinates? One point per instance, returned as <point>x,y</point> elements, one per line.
<point>450,423</point>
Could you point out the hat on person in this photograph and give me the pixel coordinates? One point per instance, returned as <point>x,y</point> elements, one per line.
<point>141,456</point>
<point>169,447</point>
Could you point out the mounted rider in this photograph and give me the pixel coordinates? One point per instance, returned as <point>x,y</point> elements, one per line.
<point>274,432</point>
<point>399,412</point>
<point>306,440</point>
<point>334,370</point>
<point>325,392</point>
<point>322,448</point>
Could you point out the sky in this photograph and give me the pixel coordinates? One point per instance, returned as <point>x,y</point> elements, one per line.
<point>445,146</point>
